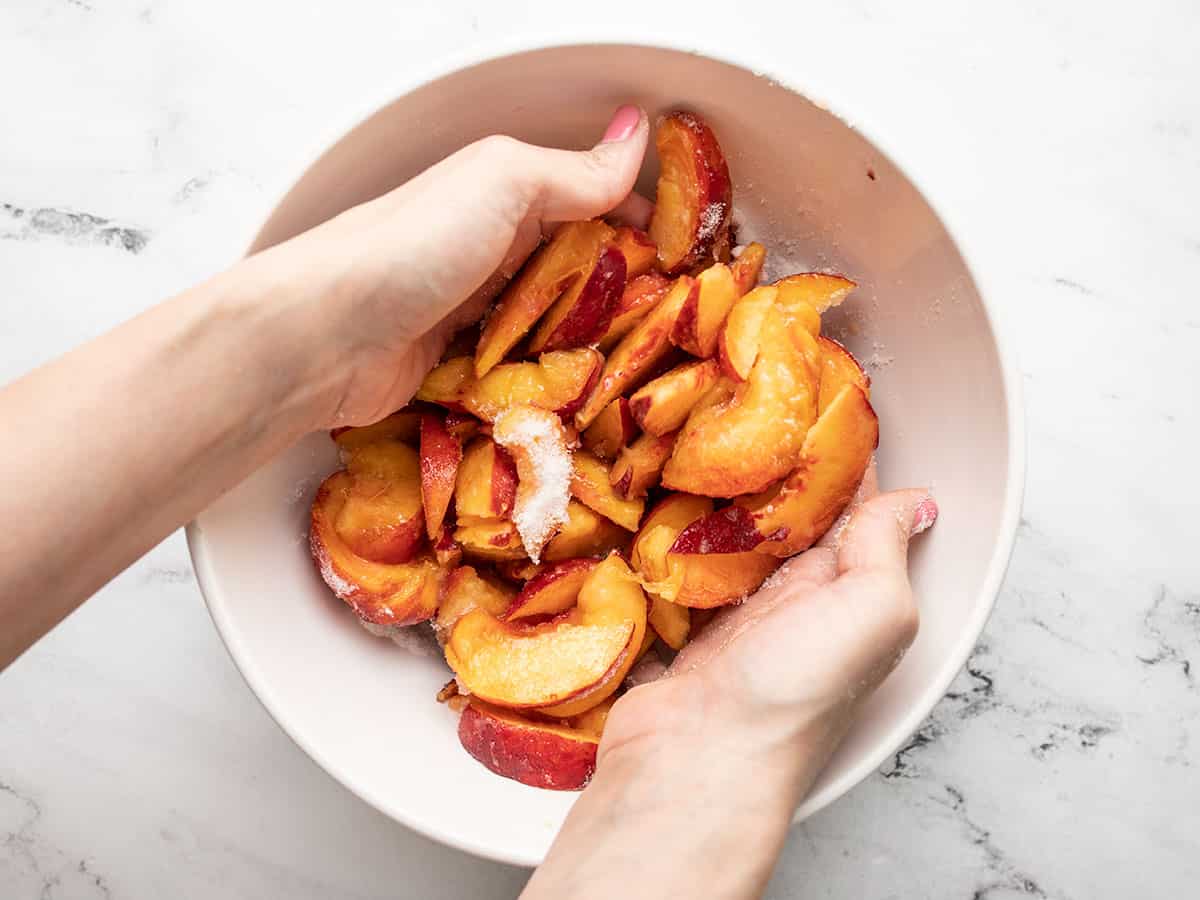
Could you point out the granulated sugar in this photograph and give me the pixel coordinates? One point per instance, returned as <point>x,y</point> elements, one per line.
<point>538,444</point>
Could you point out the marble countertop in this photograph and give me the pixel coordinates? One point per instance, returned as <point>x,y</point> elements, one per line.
<point>138,137</point>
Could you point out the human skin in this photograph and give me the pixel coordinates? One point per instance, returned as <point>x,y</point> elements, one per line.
<point>129,436</point>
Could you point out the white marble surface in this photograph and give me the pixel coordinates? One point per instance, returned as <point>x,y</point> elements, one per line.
<point>135,763</point>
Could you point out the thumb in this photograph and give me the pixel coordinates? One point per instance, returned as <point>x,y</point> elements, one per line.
<point>876,538</point>
<point>564,185</point>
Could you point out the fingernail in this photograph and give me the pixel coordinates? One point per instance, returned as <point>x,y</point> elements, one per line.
<point>924,516</point>
<point>624,123</point>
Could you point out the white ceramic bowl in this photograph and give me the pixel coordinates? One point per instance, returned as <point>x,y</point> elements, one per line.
<point>819,194</point>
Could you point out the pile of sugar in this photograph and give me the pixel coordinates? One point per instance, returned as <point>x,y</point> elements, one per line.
<point>538,444</point>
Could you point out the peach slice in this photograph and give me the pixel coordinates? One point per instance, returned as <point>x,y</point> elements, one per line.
<point>539,754</point>
<point>592,721</point>
<point>491,539</point>
<point>520,569</point>
<point>538,443</point>
<point>383,594</point>
<point>612,430</point>
<point>814,289</point>
<point>740,337</point>
<point>558,382</point>
<point>694,194</point>
<point>748,266</point>
<point>441,454</point>
<point>743,445</point>
<point>699,323</point>
<point>570,255</point>
<point>634,358</point>
<point>591,485</point>
<point>551,591</point>
<point>486,483</point>
<point>466,589</point>
<point>380,518</point>
<point>662,526</point>
<point>640,465</point>
<point>446,550</point>
<point>639,251</point>
<point>563,666</point>
<point>838,368</point>
<point>663,404</point>
<point>581,316</point>
<point>403,426</point>
<point>585,533</point>
<point>670,621</point>
<point>640,296</point>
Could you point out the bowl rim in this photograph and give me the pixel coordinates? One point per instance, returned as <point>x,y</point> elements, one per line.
<point>490,50</point>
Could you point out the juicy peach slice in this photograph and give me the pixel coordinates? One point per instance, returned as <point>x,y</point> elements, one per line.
<point>657,535</point>
<point>748,266</point>
<point>582,315</point>
<point>838,368</point>
<point>403,426</point>
<point>563,666</point>
<point>380,519</point>
<point>558,382</point>
<point>592,721</point>
<point>551,591</point>
<point>699,323</point>
<point>585,533</point>
<point>539,754</point>
<point>466,589</point>
<point>640,465</point>
<point>491,539</point>
<point>832,462</point>
<point>441,454</point>
<point>538,443</point>
<point>570,255</point>
<point>663,404</point>
<point>640,296</point>
<point>743,445</point>
<point>639,251</point>
<point>379,593</point>
<point>694,194</point>
<point>486,484</point>
<point>814,289</point>
<point>591,486</point>
<point>612,430</point>
<point>446,550</point>
<point>634,358</point>
<point>520,569</point>
<point>740,337</point>
<point>670,621</point>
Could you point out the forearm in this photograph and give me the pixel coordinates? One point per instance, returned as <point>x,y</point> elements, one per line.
<point>116,444</point>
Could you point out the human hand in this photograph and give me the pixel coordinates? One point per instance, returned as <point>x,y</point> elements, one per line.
<point>388,282</point>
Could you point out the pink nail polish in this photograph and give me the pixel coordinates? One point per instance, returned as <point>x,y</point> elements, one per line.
<point>624,122</point>
<point>924,516</point>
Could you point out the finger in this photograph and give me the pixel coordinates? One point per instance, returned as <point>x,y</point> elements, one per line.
<point>634,210</point>
<point>867,488</point>
<point>877,536</point>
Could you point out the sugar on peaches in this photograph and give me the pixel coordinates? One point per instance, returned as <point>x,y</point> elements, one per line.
<point>638,434</point>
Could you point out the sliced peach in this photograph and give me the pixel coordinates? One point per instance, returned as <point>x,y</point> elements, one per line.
<point>670,621</point>
<point>647,641</point>
<point>466,589</point>
<point>838,368</point>
<point>403,426</point>
<point>462,425</point>
<point>694,194</point>
<point>592,721</point>
<point>591,485</point>
<point>640,465</point>
<point>551,591</point>
<point>662,526</point>
<point>639,251</point>
<point>486,484</point>
<point>520,569</point>
<point>383,594</point>
<point>563,666</point>
<point>748,266</point>
<point>585,533</point>
<point>581,315</point>
<point>446,550</point>
<point>745,444</point>
<point>381,519</point>
<point>558,382</point>
<point>634,358</point>
<point>663,404</point>
<point>539,754</point>
<point>441,454</point>
<point>612,430</point>
<point>699,323</point>
<point>570,255</point>
<point>491,539</point>
<point>814,289</point>
<point>640,296</point>
<point>538,444</point>
<point>737,343</point>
